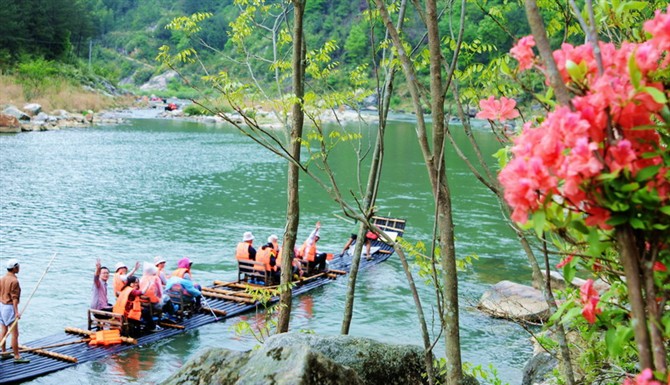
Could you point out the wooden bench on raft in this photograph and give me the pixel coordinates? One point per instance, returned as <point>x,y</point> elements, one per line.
<point>106,320</point>
<point>184,303</point>
<point>253,272</point>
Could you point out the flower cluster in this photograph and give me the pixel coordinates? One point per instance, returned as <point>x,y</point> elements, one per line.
<point>644,378</point>
<point>589,297</point>
<point>608,129</point>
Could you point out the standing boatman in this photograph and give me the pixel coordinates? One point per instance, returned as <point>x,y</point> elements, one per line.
<point>10,292</point>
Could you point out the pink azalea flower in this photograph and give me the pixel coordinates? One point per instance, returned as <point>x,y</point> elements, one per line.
<point>589,298</point>
<point>523,52</point>
<point>499,110</point>
<point>646,377</point>
<point>565,261</point>
<point>620,156</point>
<point>659,28</point>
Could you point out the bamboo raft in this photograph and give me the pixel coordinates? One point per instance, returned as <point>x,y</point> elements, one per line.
<point>225,299</point>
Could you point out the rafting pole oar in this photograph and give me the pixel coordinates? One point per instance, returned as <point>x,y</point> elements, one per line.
<point>204,300</point>
<point>16,321</point>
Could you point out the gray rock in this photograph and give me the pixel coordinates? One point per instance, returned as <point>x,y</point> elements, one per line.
<point>514,301</point>
<point>9,123</point>
<point>291,365</point>
<point>375,362</point>
<point>15,112</point>
<point>538,368</point>
<point>306,359</point>
<point>32,109</point>
<point>159,82</point>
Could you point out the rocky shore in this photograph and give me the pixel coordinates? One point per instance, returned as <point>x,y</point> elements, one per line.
<point>32,118</point>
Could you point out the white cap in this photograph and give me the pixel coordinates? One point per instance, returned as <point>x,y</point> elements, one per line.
<point>273,238</point>
<point>119,265</point>
<point>247,236</point>
<point>12,263</point>
<point>158,260</point>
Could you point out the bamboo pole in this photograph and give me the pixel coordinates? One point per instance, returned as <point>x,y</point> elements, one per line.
<point>340,272</point>
<point>229,297</point>
<point>26,349</point>
<point>170,325</point>
<point>228,292</point>
<point>218,312</point>
<point>53,355</point>
<point>16,321</point>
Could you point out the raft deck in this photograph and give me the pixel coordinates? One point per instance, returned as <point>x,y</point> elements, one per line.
<point>72,348</point>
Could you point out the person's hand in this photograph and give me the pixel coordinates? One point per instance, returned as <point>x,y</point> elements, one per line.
<point>318,225</point>
<point>137,265</point>
<point>97,263</point>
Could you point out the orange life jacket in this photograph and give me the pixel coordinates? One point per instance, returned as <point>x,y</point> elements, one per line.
<point>120,307</point>
<point>152,291</point>
<point>242,251</point>
<point>118,284</point>
<point>265,255</point>
<point>180,272</point>
<point>307,253</point>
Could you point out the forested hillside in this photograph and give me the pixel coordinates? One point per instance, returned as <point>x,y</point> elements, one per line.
<point>123,37</point>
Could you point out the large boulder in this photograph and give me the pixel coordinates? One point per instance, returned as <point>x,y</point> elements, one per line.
<point>15,112</point>
<point>514,301</point>
<point>32,109</point>
<point>306,359</point>
<point>9,123</point>
<point>159,82</point>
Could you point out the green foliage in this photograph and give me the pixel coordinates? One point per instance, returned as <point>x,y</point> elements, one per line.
<point>34,76</point>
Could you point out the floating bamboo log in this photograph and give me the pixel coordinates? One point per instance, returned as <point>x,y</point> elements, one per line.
<point>26,349</point>
<point>218,312</point>
<point>82,332</point>
<point>228,297</point>
<point>170,325</point>
<point>54,355</point>
<point>244,286</point>
<point>303,280</point>
<point>340,272</point>
<point>227,292</point>
<point>385,251</point>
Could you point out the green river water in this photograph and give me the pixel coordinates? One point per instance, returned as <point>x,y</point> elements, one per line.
<point>175,188</point>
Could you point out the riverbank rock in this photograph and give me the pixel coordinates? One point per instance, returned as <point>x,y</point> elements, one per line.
<point>515,302</point>
<point>539,367</point>
<point>15,112</point>
<point>307,359</point>
<point>32,109</point>
<point>9,123</point>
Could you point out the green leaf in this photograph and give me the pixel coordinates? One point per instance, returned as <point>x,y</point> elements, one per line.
<point>665,210</point>
<point>637,223</point>
<point>634,71</point>
<point>574,70</point>
<point>569,272</point>
<point>579,226</point>
<point>656,94</point>
<point>630,187</point>
<point>647,173</point>
<point>539,220</point>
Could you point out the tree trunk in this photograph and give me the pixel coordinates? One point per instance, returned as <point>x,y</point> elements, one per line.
<point>293,204</point>
<point>631,266</point>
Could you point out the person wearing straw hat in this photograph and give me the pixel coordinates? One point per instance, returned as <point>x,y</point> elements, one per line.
<point>10,292</point>
<point>159,262</point>
<point>121,274</point>
<point>245,250</point>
